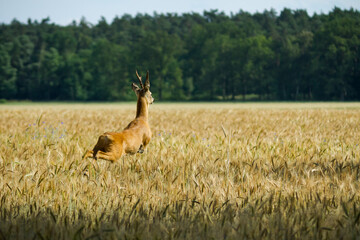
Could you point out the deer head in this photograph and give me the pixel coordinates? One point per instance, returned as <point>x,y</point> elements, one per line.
<point>144,90</point>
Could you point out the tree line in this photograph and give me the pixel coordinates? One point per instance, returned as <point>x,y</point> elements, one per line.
<point>209,56</point>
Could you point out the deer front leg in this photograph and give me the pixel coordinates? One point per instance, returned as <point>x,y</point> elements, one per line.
<point>141,149</point>
<point>106,156</point>
<point>145,143</point>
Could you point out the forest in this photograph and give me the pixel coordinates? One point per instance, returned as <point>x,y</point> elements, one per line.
<point>213,56</point>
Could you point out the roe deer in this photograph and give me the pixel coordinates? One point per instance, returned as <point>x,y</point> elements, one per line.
<point>134,138</point>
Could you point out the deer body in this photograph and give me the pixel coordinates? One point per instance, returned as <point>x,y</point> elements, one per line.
<point>134,138</point>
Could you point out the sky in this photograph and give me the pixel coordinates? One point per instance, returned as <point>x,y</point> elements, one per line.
<point>64,12</point>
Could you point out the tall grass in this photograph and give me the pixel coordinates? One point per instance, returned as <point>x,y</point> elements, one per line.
<point>223,172</point>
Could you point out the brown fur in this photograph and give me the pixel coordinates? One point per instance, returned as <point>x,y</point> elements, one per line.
<point>134,138</point>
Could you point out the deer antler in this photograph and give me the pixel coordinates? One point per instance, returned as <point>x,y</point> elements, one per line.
<point>147,82</point>
<point>139,78</point>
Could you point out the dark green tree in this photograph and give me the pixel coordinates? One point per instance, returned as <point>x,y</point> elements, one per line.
<point>7,75</point>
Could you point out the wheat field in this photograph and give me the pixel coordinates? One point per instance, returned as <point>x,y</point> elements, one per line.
<point>211,171</point>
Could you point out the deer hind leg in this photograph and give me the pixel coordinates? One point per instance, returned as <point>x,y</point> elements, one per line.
<point>88,154</point>
<point>101,146</point>
<point>106,156</point>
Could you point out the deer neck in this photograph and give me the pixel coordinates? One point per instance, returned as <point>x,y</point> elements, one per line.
<point>142,108</point>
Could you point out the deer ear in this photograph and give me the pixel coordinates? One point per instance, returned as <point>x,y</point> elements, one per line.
<point>135,88</point>
<point>147,82</point>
